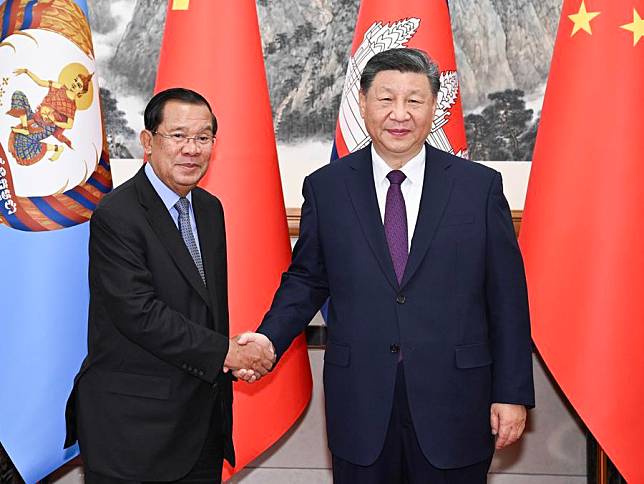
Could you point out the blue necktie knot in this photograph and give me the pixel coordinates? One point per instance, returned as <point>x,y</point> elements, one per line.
<point>182,206</point>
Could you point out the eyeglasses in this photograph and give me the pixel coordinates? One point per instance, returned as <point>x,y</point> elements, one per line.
<point>181,139</point>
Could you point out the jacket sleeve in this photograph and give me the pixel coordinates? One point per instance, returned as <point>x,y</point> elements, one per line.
<point>304,287</point>
<point>507,305</point>
<point>121,280</point>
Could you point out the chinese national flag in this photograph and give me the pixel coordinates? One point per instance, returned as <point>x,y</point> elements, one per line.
<point>386,24</point>
<point>214,48</point>
<point>581,236</point>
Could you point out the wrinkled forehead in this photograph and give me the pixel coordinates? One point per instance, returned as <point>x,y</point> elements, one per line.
<point>186,116</point>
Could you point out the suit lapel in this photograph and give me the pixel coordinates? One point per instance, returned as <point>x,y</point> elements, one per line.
<point>362,193</point>
<point>437,186</point>
<point>208,241</point>
<point>163,225</point>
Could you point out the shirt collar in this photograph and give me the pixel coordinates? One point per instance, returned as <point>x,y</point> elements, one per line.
<point>414,169</point>
<point>168,197</point>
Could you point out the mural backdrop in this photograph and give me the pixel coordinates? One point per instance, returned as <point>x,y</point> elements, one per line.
<point>503,50</point>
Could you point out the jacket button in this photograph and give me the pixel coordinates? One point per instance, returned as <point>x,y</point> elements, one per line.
<point>394,348</point>
<point>400,299</point>
<point>184,366</point>
<point>200,372</point>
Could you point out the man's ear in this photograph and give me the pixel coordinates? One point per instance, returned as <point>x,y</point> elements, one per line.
<point>362,99</point>
<point>146,141</point>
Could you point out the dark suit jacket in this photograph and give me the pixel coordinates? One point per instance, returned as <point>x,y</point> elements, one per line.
<point>157,339</point>
<point>460,315</point>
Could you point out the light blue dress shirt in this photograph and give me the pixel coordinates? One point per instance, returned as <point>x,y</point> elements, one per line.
<point>169,199</point>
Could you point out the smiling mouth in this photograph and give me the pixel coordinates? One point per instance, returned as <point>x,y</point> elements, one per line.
<point>398,132</point>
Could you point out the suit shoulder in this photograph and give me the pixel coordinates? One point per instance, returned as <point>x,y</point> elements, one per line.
<point>205,195</point>
<point>339,167</point>
<point>464,167</point>
<point>118,199</point>
<point>207,198</point>
<point>331,170</point>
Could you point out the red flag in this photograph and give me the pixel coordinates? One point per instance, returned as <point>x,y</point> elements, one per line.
<point>215,49</point>
<point>382,25</point>
<point>580,235</point>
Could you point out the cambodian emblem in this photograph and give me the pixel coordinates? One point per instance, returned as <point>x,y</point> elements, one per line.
<point>54,166</point>
<point>380,37</point>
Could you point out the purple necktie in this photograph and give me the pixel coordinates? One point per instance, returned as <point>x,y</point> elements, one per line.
<point>396,223</point>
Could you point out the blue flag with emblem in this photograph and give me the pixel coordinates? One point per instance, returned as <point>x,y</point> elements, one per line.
<point>54,169</point>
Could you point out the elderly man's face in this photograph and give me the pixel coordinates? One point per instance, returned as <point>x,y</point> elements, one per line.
<point>398,110</point>
<point>180,163</point>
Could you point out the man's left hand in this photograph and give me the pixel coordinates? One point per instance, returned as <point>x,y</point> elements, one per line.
<point>507,421</point>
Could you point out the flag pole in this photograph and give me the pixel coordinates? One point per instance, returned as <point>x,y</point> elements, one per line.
<point>602,466</point>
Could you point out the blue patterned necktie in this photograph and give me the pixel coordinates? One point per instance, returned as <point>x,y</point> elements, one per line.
<point>396,223</point>
<point>182,207</point>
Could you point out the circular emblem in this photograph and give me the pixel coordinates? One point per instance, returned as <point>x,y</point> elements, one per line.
<point>53,163</point>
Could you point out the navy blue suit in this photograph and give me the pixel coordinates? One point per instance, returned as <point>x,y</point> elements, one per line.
<point>459,316</point>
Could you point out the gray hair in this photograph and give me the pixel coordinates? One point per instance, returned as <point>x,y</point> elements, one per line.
<point>401,60</point>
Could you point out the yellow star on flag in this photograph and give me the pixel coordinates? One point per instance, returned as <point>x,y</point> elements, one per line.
<point>637,27</point>
<point>180,4</point>
<point>582,19</point>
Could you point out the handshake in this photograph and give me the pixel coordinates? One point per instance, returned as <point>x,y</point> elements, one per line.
<point>250,356</point>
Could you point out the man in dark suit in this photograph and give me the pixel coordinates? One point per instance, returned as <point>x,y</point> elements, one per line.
<point>153,398</point>
<point>428,354</point>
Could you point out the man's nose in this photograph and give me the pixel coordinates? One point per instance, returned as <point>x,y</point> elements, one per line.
<point>191,147</point>
<point>399,111</point>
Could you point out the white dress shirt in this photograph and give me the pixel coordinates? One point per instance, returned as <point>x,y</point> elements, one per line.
<point>411,187</point>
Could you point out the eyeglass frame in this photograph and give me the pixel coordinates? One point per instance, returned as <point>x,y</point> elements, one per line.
<point>184,139</point>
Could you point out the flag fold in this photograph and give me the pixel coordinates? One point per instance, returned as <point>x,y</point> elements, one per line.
<point>580,235</point>
<point>214,48</point>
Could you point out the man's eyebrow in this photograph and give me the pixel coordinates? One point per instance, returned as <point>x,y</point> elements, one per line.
<point>179,127</point>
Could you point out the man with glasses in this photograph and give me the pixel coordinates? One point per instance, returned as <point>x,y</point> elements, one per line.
<point>153,398</point>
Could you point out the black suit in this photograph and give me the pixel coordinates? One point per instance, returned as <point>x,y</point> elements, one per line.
<point>144,396</point>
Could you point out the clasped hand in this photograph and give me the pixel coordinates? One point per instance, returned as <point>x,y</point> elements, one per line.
<point>250,356</point>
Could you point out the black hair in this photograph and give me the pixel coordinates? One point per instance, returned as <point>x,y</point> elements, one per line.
<point>401,60</point>
<point>153,115</point>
